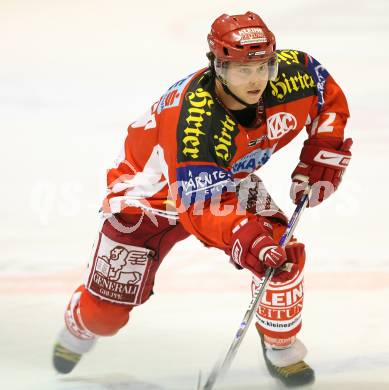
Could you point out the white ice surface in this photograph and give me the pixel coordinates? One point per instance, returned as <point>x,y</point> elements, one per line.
<point>73,75</point>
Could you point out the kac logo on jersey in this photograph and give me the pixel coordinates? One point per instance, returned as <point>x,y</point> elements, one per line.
<point>279,124</point>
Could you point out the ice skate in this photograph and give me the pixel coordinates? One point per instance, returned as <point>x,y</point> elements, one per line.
<point>295,374</point>
<point>68,351</point>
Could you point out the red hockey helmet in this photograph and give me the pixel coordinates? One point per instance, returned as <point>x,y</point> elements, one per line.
<point>241,38</point>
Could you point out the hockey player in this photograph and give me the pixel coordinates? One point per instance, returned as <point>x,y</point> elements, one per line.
<point>187,166</point>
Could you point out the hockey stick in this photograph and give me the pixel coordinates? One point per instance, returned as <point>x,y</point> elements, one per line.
<point>221,368</point>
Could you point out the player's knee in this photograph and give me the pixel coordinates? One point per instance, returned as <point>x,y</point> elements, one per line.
<point>101,317</point>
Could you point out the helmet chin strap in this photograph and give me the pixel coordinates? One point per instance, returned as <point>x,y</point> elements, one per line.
<point>229,92</point>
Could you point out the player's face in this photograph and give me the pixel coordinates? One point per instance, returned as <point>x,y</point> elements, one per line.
<point>247,80</point>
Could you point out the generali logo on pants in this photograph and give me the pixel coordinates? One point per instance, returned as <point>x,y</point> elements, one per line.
<point>279,124</point>
<point>118,271</point>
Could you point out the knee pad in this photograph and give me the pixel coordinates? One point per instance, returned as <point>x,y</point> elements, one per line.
<point>89,316</point>
<point>101,317</point>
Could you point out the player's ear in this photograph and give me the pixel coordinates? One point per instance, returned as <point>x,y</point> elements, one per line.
<point>211,58</point>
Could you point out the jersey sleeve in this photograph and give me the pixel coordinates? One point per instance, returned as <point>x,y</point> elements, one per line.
<point>329,112</point>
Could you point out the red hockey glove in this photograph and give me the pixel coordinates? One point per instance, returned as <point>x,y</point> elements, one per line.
<point>295,253</point>
<point>322,163</point>
<point>253,247</point>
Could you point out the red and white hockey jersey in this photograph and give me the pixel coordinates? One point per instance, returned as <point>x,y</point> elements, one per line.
<point>189,150</point>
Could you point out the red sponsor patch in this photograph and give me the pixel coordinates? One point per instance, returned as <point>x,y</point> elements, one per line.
<point>280,309</point>
<point>118,271</point>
